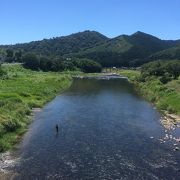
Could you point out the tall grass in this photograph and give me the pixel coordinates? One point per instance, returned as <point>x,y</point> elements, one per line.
<point>164,96</point>
<point>20,91</point>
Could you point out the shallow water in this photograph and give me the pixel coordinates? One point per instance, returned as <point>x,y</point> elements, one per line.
<point>105,130</point>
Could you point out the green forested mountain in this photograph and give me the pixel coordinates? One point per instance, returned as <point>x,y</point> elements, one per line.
<point>2,54</point>
<point>124,50</point>
<point>170,53</point>
<point>60,46</point>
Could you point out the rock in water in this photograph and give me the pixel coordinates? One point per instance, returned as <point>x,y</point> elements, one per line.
<point>176,149</point>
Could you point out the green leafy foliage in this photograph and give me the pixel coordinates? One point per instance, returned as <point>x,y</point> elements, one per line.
<point>166,70</point>
<point>31,61</point>
<point>87,66</point>
<point>124,50</point>
<point>153,85</point>
<point>2,72</point>
<point>10,55</point>
<point>60,46</point>
<point>34,62</point>
<point>170,53</point>
<point>19,93</point>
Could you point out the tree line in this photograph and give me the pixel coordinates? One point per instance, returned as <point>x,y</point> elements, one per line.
<point>166,70</point>
<point>34,62</point>
<point>43,63</point>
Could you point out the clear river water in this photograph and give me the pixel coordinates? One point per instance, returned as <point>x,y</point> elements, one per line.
<point>106,131</point>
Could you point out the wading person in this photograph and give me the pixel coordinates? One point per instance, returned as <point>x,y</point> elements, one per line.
<point>57,128</point>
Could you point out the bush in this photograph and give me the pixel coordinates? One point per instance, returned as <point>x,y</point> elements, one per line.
<point>167,70</point>
<point>165,78</point>
<point>88,66</point>
<point>2,72</point>
<point>31,61</point>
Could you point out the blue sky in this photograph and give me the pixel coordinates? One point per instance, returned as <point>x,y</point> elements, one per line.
<point>27,20</point>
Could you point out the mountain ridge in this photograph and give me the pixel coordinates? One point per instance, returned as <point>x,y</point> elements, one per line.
<point>126,49</point>
<point>123,50</point>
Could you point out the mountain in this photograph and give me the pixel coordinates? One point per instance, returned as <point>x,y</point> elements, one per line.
<point>60,46</point>
<point>126,50</point>
<point>170,53</point>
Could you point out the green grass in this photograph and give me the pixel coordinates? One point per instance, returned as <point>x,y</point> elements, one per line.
<point>131,74</point>
<point>20,91</point>
<point>164,96</point>
<point>175,84</point>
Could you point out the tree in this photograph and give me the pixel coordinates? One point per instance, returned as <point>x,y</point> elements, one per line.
<point>9,55</point>
<point>2,72</point>
<point>173,68</point>
<point>166,70</point>
<point>31,61</point>
<point>18,56</point>
<point>88,66</point>
<point>45,64</point>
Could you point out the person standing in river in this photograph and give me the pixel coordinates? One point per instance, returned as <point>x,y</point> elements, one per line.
<point>57,128</point>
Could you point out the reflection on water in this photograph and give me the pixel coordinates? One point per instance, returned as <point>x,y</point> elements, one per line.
<point>104,133</point>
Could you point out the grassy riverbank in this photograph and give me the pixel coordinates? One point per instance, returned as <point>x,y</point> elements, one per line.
<point>20,91</point>
<point>165,96</point>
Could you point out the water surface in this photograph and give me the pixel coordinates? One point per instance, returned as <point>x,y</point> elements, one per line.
<point>105,130</point>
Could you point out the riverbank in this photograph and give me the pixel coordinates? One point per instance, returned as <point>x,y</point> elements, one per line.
<point>96,113</point>
<point>166,97</point>
<point>22,90</point>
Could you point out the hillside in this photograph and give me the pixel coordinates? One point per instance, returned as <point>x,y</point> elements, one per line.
<point>126,50</point>
<point>2,54</point>
<point>170,53</point>
<point>60,46</point>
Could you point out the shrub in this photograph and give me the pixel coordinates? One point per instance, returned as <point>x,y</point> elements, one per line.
<point>31,61</point>
<point>88,66</point>
<point>166,69</point>
<point>2,72</point>
<point>165,78</point>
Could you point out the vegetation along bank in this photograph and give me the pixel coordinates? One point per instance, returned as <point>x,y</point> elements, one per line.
<point>159,83</point>
<point>21,90</point>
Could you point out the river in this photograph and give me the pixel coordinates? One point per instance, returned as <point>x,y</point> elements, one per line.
<point>106,131</point>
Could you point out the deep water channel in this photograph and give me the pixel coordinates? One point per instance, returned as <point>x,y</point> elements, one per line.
<point>106,131</point>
